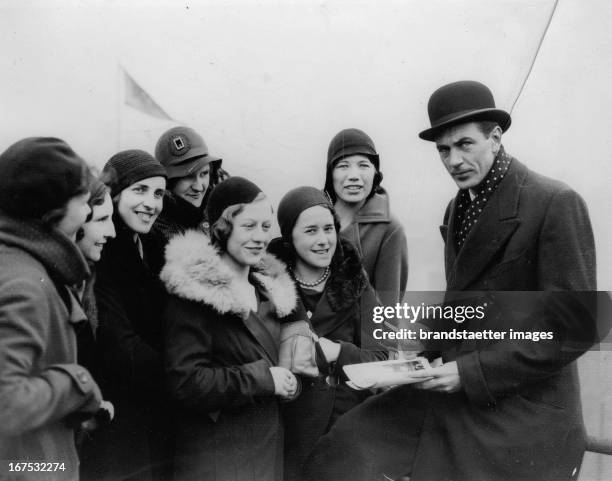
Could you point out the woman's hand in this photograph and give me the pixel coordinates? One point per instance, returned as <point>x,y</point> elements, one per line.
<point>103,416</point>
<point>285,383</point>
<point>330,349</point>
<point>107,410</point>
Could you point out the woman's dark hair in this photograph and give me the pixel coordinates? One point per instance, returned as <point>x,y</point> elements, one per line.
<point>98,191</point>
<point>52,217</point>
<point>217,175</point>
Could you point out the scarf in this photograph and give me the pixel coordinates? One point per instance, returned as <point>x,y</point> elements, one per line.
<point>468,210</point>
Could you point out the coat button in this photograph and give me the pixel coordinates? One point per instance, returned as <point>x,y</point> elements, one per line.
<point>82,377</point>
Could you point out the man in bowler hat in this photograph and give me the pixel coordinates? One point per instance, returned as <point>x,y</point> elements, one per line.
<point>494,410</point>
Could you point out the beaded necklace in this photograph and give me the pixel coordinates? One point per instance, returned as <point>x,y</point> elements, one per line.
<point>321,279</point>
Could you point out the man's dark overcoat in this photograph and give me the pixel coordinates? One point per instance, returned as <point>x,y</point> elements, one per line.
<point>518,414</point>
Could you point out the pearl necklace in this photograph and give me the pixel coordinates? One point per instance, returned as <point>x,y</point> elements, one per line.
<point>321,279</point>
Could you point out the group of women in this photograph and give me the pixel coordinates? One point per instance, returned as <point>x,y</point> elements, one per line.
<point>189,295</point>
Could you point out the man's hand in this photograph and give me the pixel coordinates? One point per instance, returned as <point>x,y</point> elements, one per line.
<point>444,378</point>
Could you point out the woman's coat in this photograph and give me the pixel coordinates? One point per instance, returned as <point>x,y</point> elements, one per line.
<point>343,314</point>
<point>44,393</point>
<point>130,300</point>
<point>381,243</point>
<point>218,358</point>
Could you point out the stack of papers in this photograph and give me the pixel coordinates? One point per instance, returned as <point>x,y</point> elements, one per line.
<point>369,375</point>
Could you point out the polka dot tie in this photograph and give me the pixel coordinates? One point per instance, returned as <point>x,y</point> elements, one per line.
<point>468,210</point>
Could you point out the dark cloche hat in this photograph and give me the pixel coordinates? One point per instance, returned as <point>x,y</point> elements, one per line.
<point>461,102</point>
<point>349,142</point>
<point>235,190</point>
<point>38,175</point>
<point>128,167</point>
<point>297,201</point>
<point>182,151</point>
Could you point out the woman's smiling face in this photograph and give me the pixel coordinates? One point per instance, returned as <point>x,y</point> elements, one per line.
<point>314,237</point>
<point>97,230</point>
<point>140,203</point>
<point>250,233</point>
<point>353,178</point>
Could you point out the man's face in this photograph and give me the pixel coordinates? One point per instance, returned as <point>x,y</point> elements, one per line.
<point>467,153</point>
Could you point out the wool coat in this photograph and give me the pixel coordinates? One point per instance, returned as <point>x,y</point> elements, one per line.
<point>218,357</point>
<point>176,217</point>
<point>518,413</point>
<point>44,393</point>
<point>130,301</point>
<point>381,243</point>
<point>343,314</point>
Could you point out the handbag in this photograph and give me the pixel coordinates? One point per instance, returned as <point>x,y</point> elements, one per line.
<point>297,351</point>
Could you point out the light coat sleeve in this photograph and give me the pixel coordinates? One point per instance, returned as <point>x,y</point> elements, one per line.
<point>31,394</point>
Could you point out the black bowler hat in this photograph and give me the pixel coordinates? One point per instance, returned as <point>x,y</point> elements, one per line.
<point>460,102</point>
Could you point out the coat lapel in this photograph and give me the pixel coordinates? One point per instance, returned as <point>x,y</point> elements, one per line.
<point>494,227</point>
<point>447,230</point>
<point>323,318</point>
<point>262,331</point>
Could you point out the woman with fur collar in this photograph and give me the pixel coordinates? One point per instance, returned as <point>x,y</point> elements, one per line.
<point>226,298</point>
<point>353,183</point>
<point>335,295</point>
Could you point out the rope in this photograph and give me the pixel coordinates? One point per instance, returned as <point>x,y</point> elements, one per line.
<point>552,13</point>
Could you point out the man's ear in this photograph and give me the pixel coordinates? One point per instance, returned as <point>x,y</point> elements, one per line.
<point>496,136</point>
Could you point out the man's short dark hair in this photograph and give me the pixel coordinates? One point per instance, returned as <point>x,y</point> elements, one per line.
<point>486,127</point>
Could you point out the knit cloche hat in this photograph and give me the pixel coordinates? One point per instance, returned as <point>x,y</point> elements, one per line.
<point>128,167</point>
<point>38,175</point>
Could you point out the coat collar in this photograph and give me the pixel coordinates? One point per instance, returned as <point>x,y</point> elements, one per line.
<point>376,209</point>
<point>56,252</point>
<point>348,280</point>
<point>178,211</point>
<point>194,270</point>
<point>495,225</point>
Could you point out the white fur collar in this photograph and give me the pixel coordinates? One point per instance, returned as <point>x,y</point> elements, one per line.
<point>195,271</point>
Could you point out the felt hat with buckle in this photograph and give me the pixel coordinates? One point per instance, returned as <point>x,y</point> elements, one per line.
<point>182,151</point>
